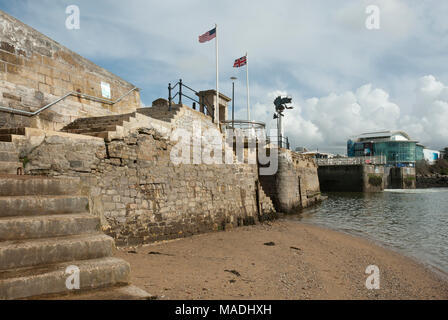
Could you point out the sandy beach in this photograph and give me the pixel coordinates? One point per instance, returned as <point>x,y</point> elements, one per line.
<point>278,260</point>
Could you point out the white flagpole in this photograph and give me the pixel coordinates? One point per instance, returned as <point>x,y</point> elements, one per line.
<point>247,85</point>
<point>217,79</point>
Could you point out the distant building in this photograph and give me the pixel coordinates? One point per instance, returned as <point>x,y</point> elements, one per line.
<point>431,156</point>
<point>318,155</point>
<point>397,146</point>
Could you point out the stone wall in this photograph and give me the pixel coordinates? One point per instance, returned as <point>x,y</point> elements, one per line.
<point>401,178</point>
<point>295,185</point>
<point>141,196</point>
<point>35,70</point>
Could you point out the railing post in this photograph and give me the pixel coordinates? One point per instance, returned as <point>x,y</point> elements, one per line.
<point>180,91</point>
<point>170,100</point>
<point>194,105</point>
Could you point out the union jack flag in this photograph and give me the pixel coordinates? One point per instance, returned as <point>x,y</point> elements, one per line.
<point>208,36</point>
<point>240,62</point>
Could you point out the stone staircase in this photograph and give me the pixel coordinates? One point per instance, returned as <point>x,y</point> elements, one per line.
<point>45,226</point>
<point>9,157</point>
<point>99,126</point>
<point>116,126</point>
<point>161,112</point>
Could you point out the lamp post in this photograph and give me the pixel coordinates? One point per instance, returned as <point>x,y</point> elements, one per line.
<point>233,101</point>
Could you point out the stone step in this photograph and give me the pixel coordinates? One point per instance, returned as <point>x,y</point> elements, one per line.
<point>93,129</point>
<point>103,135</point>
<point>121,293</point>
<point>9,167</point>
<point>5,137</point>
<point>96,120</point>
<point>83,125</point>
<point>42,205</point>
<point>35,282</point>
<point>15,131</point>
<point>21,228</point>
<point>37,186</point>
<point>7,147</point>
<point>9,156</point>
<point>36,252</point>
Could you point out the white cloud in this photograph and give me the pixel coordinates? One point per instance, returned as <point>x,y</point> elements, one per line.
<point>327,122</point>
<point>306,48</point>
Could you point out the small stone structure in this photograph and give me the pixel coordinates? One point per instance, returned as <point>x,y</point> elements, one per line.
<point>295,185</point>
<point>36,70</point>
<point>352,178</point>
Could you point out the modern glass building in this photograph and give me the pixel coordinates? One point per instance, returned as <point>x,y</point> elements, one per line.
<point>398,148</point>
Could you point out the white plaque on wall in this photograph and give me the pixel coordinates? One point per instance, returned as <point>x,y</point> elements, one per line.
<point>105,90</point>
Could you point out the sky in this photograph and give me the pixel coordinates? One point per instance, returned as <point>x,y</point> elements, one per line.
<point>345,79</point>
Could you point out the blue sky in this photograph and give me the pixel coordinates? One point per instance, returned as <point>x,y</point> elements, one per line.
<point>344,78</point>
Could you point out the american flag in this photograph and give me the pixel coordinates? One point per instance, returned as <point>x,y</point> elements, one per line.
<point>208,36</point>
<point>240,62</point>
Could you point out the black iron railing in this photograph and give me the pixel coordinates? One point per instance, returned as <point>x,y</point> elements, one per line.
<point>181,93</point>
<point>282,142</point>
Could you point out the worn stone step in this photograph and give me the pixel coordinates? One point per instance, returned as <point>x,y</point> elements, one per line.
<point>35,252</point>
<point>15,131</point>
<point>6,137</point>
<point>21,228</point>
<point>9,167</point>
<point>82,125</point>
<point>108,119</point>
<point>121,293</point>
<point>47,280</point>
<point>93,129</point>
<point>38,185</point>
<point>42,205</point>
<point>103,135</point>
<point>7,147</point>
<point>9,156</point>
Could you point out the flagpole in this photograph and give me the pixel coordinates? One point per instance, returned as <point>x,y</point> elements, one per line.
<point>247,85</point>
<point>217,79</point>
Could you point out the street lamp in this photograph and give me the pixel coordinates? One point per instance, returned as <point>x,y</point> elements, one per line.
<point>233,101</point>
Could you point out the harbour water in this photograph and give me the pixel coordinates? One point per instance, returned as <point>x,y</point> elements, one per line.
<point>412,222</point>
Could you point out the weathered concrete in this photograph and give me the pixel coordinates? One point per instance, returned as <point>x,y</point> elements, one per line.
<point>35,282</point>
<point>20,228</point>
<point>295,186</point>
<point>41,235</point>
<point>351,178</point>
<point>40,205</point>
<point>400,178</point>
<point>28,253</point>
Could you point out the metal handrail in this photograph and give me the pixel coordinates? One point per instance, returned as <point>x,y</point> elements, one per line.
<point>282,142</point>
<point>241,123</point>
<point>181,94</point>
<point>72,93</point>
<point>374,160</point>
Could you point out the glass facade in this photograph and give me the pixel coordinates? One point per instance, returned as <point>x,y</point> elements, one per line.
<point>419,153</point>
<point>397,153</point>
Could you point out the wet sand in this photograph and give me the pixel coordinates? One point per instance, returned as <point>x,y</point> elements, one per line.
<point>301,262</point>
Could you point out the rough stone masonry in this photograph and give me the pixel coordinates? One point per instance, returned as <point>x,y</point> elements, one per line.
<point>131,183</point>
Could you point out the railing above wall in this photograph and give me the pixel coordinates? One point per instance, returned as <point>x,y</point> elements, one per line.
<point>72,93</point>
<point>181,93</point>
<point>378,160</point>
